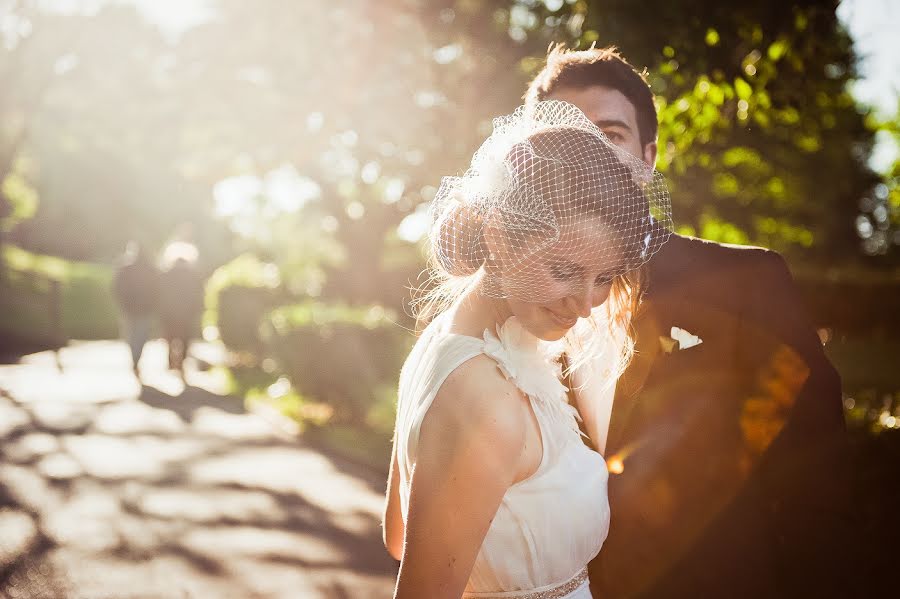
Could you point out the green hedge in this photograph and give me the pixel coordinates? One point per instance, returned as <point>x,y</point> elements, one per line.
<point>239,294</point>
<point>86,305</point>
<point>88,308</point>
<point>348,357</point>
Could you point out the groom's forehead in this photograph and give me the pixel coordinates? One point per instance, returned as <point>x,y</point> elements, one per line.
<point>599,103</point>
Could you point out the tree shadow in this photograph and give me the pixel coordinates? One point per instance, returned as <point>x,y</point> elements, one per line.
<point>375,479</point>
<point>13,349</point>
<point>28,573</point>
<point>285,518</point>
<point>190,400</point>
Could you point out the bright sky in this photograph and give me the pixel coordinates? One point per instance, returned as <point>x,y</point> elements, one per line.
<point>874,26</point>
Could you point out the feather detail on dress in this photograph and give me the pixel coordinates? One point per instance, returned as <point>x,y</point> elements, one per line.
<point>531,365</point>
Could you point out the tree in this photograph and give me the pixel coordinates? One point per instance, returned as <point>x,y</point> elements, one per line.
<point>373,102</point>
<point>759,137</point>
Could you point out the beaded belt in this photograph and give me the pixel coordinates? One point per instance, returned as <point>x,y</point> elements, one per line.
<point>553,591</point>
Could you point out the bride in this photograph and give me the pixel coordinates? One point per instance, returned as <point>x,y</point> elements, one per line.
<point>536,251</point>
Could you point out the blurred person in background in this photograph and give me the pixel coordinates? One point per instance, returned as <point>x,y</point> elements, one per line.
<point>136,289</point>
<point>180,299</point>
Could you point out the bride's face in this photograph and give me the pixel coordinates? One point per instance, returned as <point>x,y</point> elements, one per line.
<point>577,273</point>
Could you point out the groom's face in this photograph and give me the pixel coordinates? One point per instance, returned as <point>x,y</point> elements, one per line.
<point>613,113</point>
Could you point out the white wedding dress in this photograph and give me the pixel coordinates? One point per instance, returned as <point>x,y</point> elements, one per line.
<point>548,526</point>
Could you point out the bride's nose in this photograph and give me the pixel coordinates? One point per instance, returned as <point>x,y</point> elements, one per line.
<point>581,302</point>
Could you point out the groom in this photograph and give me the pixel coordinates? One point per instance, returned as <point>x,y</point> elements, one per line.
<point>725,436</point>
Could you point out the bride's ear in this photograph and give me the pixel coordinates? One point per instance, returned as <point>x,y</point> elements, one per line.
<point>495,246</point>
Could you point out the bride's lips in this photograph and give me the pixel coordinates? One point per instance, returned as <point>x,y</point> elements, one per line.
<point>567,323</point>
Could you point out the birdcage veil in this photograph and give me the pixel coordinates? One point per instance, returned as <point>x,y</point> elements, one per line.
<point>547,199</point>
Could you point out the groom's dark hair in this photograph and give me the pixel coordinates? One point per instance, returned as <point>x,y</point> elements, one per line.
<point>597,66</point>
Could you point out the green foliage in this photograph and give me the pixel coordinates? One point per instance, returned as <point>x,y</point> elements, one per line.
<point>87,308</point>
<point>712,227</point>
<point>345,356</point>
<point>238,295</point>
<point>759,139</point>
<point>878,223</point>
<point>22,198</point>
<point>25,308</point>
<point>769,78</point>
<point>361,444</point>
<point>105,159</point>
<point>111,162</point>
<point>776,50</point>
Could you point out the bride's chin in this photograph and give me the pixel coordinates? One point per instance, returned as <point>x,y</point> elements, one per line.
<point>555,337</point>
<point>551,333</point>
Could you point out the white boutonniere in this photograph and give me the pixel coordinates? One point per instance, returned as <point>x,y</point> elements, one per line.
<point>678,340</point>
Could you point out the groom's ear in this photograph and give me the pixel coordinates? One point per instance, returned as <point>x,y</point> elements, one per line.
<point>650,151</point>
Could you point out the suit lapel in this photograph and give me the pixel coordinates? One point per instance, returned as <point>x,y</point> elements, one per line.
<point>669,266</point>
<point>648,329</point>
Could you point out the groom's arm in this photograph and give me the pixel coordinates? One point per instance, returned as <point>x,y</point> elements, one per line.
<point>786,362</point>
<point>802,469</point>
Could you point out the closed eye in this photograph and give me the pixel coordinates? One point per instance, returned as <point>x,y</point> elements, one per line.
<point>604,279</point>
<point>565,272</point>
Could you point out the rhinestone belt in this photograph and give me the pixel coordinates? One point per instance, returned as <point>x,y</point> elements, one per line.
<point>553,591</point>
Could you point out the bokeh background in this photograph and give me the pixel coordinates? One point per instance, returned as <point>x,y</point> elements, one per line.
<point>302,142</point>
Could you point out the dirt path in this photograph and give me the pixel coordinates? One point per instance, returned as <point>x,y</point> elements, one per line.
<point>114,489</point>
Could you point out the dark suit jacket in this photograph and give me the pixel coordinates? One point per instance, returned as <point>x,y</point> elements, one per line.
<point>733,450</point>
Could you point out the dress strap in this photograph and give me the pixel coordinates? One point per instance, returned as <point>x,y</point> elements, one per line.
<point>429,365</point>
<point>552,591</point>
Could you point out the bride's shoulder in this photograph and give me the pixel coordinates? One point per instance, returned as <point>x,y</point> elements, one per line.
<point>476,402</point>
<point>478,387</point>
<point>471,438</point>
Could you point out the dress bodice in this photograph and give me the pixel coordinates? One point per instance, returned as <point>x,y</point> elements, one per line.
<point>549,525</point>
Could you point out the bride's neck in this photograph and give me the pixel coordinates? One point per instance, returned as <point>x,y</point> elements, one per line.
<point>481,311</point>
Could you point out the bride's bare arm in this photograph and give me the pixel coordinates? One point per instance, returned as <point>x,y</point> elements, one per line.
<point>392,522</point>
<point>469,452</point>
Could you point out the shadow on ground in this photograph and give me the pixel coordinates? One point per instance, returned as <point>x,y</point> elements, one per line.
<point>184,495</point>
<point>189,401</point>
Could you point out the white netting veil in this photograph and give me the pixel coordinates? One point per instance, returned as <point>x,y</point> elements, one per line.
<point>548,206</point>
